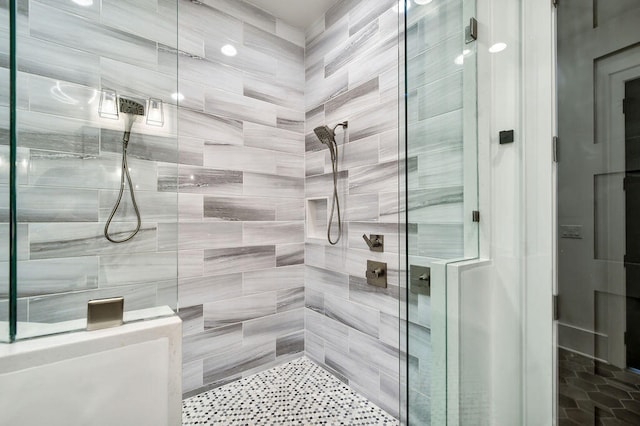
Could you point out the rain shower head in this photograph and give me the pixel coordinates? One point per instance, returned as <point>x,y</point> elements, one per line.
<point>326,135</point>
<point>129,106</point>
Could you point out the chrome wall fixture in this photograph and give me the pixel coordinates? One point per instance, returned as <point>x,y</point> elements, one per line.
<point>111,106</point>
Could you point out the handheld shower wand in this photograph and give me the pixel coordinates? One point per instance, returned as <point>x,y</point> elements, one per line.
<point>131,109</point>
<point>328,137</point>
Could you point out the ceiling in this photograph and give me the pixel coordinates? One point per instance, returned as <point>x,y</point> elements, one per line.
<point>299,13</point>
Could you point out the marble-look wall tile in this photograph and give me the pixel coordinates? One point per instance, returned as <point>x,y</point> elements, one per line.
<point>273,138</point>
<point>290,299</point>
<point>261,233</point>
<point>211,342</point>
<point>199,180</point>
<point>236,360</point>
<point>289,254</point>
<point>238,310</point>
<point>192,320</point>
<point>273,186</point>
<point>268,329</point>
<point>209,289</point>
<point>195,235</point>
<point>273,279</point>
<point>122,269</point>
<point>239,259</point>
<point>290,344</point>
<point>49,204</point>
<point>353,315</point>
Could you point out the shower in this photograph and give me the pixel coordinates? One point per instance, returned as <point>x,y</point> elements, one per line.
<point>327,136</point>
<point>131,109</point>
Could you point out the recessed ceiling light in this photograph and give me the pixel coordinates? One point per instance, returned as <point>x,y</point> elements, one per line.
<point>460,58</point>
<point>498,47</point>
<point>422,2</point>
<point>177,96</point>
<point>85,3</point>
<point>229,50</point>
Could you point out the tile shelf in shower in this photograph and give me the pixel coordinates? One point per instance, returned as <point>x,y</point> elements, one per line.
<point>317,214</point>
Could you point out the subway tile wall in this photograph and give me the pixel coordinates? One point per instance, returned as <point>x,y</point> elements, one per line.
<point>69,158</point>
<point>241,224</point>
<point>351,68</point>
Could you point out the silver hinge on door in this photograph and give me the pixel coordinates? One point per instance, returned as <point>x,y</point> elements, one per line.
<point>555,2</point>
<point>555,149</point>
<point>556,308</point>
<point>475,216</point>
<point>471,32</point>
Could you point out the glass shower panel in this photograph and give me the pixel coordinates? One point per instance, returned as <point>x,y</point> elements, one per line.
<point>598,175</point>
<point>441,189</point>
<point>88,72</point>
<point>5,149</point>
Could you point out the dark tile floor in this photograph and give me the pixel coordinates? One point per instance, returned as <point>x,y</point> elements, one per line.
<point>595,393</point>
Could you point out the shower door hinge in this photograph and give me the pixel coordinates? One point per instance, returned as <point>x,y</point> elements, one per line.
<point>556,308</point>
<point>471,32</point>
<point>555,2</point>
<point>555,149</point>
<point>476,216</point>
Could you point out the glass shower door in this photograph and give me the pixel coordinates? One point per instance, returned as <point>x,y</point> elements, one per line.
<point>598,203</point>
<point>440,192</point>
<point>96,160</point>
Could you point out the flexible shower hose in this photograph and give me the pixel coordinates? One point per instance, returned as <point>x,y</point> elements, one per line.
<point>125,172</point>
<point>335,204</point>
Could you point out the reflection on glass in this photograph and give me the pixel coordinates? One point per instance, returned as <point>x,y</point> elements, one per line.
<point>108,104</point>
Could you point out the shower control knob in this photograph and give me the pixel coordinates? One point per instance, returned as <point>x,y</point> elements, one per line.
<point>378,272</point>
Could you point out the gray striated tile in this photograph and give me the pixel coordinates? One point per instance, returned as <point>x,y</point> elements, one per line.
<point>56,133</point>
<point>62,169</point>
<point>197,69</point>
<point>209,289</point>
<point>272,138</point>
<point>354,315</point>
<point>153,206</point>
<point>211,128</point>
<point>63,28</point>
<point>190,207</point>
<point>23,242</point>
<point>377,119</point>
<point>390,326</point>
<point>355,154</point>
<point>192,373</point>
<point>267,329</point>
<point>290,209</point>
<point>442,167</point>
<point>372,179</point>
<point>382,61</point>
<point>375,353</point>
<point>362,207</point>
<point>130,268</point>
<point>245,308</point>
<point>390,394</point>
<point>282,94</point>
<point>357,44</point>
<point>313,347</point>
<point>440,97</point>
<point>327,281</point>
<point>360,374</point>
<point>136,81</point>
<point>57,240</point>
<point>437,205</point>
<point>192,320</point>
<point>239,209</point>
<point>273,186</point>
<point>73,306</point>
<point>273,279</point>
<point>314,300</point>
<point>437,133</point>
<point>320,89</point>
<point>290,299</point>
<point>339,11</point>
<point>321,186</point>
<point>238,107</point>
<point>382,299</point>
<point>149,147</point>
<point>248,61</point>
<point>441,241</point>
<point>262,233</point>
<point>363,13</point>
<point>199,180</point>
<point>290,344</point>
<point>239,259</point>
<point>194,235</point>
<point>290,254</point>
<point>211,342</point>
<point>142,19</point>
<point>51,276</point>
<point>245,12</point>
<point>190,263</point>
<point>236,360</point>
<point>40,57</point>
<point>291,120</point>
<point>354,100</point>
<point>49,204</point>
<point>272,44</point>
